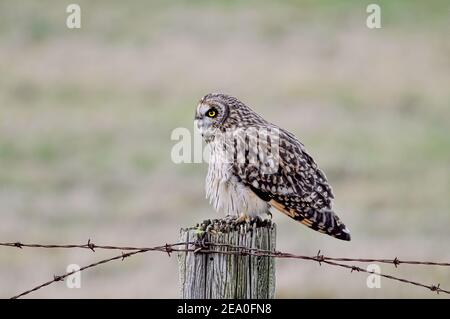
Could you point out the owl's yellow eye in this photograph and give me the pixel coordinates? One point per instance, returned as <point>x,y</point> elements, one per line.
<point>212,113</point>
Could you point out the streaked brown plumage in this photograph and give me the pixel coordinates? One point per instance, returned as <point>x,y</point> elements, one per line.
<point>250,183</point>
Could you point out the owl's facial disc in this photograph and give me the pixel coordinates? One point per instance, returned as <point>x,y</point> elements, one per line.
<point>207,119</point>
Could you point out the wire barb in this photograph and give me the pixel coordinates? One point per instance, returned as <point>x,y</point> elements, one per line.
<point>169,249</point>
<point>202,246</point>
<point>354,268</point>
<point>320,258</point>
<point>91,245</point>
<point>125,255</point>
<point>437,288</point>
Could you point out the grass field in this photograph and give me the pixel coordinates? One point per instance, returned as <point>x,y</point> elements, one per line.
<point>86,118</point>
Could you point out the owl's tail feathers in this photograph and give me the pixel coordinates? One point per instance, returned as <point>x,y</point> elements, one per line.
<point>324,221</point>
<point>329,223</point>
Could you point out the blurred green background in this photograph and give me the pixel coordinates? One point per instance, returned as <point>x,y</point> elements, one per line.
<point>86,117</point>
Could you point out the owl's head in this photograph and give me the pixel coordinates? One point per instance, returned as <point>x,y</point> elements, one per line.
<point>219,112</point>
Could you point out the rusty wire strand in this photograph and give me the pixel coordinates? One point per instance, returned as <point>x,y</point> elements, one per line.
<point>91,246</point>
<point>208,247</point>
<point>62,277</point>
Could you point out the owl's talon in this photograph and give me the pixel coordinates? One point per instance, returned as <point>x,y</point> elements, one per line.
<point>242,219</point>
<point>257,220</point>
<point>212,232</point>
<point>229,219</point>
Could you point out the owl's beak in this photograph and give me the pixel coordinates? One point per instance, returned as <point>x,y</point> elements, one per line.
<point>205,132</point>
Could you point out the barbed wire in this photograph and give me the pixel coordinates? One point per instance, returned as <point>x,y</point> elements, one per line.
<point>62,277</point>
<point>91,246</point>
<point>202,246</point>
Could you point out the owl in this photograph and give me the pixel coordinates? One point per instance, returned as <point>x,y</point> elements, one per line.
<point>255,165</point>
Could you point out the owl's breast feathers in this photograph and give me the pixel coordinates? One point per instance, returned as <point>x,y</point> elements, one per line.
<point>226,192</point>
<point>297,187</point>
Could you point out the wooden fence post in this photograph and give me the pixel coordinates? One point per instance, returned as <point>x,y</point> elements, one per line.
<point>225,276</point>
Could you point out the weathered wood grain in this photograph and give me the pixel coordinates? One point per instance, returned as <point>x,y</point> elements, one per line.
<point>221,276</point>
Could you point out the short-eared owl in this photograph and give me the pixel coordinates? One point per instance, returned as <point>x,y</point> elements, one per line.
<point>255,165</point>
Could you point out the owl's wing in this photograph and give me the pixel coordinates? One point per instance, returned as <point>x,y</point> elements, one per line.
<point>296,186</point>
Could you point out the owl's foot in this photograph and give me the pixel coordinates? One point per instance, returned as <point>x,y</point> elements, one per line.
<point>242,219</point>
<point>230,219</point>
<point>227,224</point>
